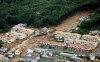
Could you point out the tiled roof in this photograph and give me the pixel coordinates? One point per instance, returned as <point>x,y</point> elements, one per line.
<point>66,33</point>
<point>19,49</point>
<point>79,46</point>
<point>23,28</point>
<point>53,43</point>
<point>5,36</point>
<point>91,36</point>
<point>16,33</point>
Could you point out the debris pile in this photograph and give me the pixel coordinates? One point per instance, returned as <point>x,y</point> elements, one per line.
<point>43,31</point>
<point>83,18</point>
<point>95,32</point>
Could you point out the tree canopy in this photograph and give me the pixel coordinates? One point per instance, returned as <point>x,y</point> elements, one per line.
<point>40,13</point>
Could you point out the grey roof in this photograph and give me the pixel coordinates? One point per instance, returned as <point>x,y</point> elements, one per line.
<point>34,61</point>
<point>26,60</point>
<point>9,54</point>
<point>3,49</point>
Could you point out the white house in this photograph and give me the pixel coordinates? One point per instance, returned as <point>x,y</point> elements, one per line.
<point>18,51</point>
<point>30,50</point>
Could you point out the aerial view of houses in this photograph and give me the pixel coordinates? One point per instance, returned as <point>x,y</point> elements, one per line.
<point>65,45</point>
<point>49,31</point>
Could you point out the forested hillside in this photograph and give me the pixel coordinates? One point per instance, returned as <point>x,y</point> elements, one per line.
<point>39,13</point>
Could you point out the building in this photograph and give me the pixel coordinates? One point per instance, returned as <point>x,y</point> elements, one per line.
<point>77,42</point>
<point>4,59</point>
<point>30,50</point>
<point>9,55</point>
<point>26,31</point>
<point>68,35</point>
<point>16,27</point>
<point>52,44</point>
<point>3,49</point>
<point>6,38</point>
<point>91,38</point>
<point>18,51</point>
<point>16,35</point>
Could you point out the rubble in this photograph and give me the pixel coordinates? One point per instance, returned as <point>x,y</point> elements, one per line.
<point>3,49</point>
<point>43,31</point>
<point>83,18</point>
<point>74,28</point>
<point>95,32</point>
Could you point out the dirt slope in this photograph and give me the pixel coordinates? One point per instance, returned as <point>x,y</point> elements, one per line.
<point>72,21</point>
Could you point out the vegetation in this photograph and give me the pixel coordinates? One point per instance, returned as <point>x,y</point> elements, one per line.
<point>1,43</point>
<point>93,24</point>
<point>59,39</point>
<point>40,13</point>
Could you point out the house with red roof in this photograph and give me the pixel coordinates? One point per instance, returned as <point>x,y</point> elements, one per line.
<point>18,51</point>
<point>16,35</point>
<point>26,31</point>
<point>52,44</point>
<point>6,38</point>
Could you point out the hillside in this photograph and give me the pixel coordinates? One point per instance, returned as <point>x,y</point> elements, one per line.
<point>92,24</point>
<point>40,13</point>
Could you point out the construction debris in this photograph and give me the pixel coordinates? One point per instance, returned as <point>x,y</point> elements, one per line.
<point>43,31</point>
<point>95,32</point>
<point>83,18</point>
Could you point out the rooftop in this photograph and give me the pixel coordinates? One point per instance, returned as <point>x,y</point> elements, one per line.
<point>23,28</point>
<point>5,36</point>
<point>19,49</point>
<point>79,46</point>
<point>53,42</point>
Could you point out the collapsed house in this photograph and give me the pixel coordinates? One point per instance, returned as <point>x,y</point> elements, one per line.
<point>83,18</point>
<point>43,31</point>
<point>3,49</point>
<point>16,27</point>
<point>95,32</point>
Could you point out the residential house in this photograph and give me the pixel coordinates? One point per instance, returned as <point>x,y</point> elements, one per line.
<point>80,45</point>
<point>78,42</point>
<point>60,34</point>
<point>79,48</point>
<point>97,53</point>
<point>16,27</point>
<point>3,49</point>
<point>82,42</point>
<point>52,44</point>
<point>17,35</point>
<point>26,31</point>
<point>91,38</point>
<point>28,59</point>
<point>30,50</point>
<point>6,38</point>
<point>18,51</point>
<point>4,59</point>
<point>9,55</point>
